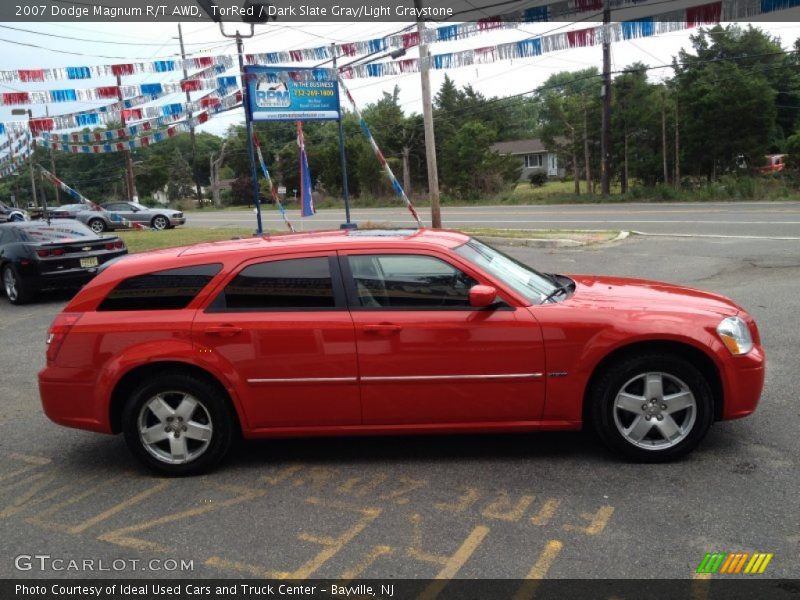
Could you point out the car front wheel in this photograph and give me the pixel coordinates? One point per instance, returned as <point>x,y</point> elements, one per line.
<point>652,408</point>
<point>160,222</point>
<point>178,425</point>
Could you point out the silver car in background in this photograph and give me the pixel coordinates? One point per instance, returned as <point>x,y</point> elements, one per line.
<point>100,221</point>
<point>10,213</point>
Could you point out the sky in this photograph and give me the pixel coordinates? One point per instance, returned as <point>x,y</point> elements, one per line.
<point>102,43</point>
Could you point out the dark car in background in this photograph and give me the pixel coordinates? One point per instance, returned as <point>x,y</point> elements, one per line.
<point>37,255</point>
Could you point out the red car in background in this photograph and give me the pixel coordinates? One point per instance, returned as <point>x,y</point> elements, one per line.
<point>388,332</point>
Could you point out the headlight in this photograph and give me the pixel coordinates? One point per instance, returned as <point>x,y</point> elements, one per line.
<point>735,334</point>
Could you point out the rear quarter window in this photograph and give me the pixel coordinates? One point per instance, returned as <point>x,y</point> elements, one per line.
<point>171,289</point>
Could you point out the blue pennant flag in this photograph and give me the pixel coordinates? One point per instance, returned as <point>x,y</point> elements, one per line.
<point>305,185</point>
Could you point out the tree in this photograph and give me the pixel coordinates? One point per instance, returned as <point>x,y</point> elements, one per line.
<point>634,121</point>
<point>728,64</point>
<point>569,117</point>
<point>473,168</point>
<point>180,177</point>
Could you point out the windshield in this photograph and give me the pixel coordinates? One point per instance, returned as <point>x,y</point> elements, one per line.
<point>534,286</point>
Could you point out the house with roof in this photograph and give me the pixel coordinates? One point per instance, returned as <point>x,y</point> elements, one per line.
<point>533,155</point>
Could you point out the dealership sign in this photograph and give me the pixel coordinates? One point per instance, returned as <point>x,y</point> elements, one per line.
<point>291,94</point>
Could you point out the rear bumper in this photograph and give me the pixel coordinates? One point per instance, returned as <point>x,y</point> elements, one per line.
<point>68,398</point>
<point>743,383</point>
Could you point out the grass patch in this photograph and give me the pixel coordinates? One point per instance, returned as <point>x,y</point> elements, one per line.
<point>140,241</point>
<point>580,235</point>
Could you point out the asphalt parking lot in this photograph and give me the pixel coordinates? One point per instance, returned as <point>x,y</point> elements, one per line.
<point>555,505</point>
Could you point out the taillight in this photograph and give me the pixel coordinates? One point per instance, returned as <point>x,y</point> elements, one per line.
<point>110,246</point>
<point>43,253</point>
<point>58,252</point>
<point>58,332</point>
<point>119,244</point>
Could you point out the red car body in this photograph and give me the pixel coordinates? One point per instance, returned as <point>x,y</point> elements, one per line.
<point>330,372</point>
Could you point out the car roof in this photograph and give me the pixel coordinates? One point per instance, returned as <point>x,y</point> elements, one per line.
<point>352,238</point>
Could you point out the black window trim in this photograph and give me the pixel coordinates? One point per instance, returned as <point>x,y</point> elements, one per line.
<point>340,303</point>
<point>354,303</point>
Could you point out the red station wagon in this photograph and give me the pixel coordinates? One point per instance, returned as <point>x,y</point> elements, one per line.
<point>388,332</point>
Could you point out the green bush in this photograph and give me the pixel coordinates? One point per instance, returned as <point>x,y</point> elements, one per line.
<point>538,179</point>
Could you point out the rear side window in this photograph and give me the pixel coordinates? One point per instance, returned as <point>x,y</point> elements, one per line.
<point>162,290</point>
<point>292,284</point>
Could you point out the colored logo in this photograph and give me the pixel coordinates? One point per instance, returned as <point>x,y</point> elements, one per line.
<point>735,563</point>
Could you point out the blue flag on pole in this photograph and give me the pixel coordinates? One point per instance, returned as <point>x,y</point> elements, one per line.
<point>306,199</point>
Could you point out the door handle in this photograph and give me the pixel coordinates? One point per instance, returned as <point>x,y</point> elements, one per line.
<point>223,330</point>
<point>383,328</point>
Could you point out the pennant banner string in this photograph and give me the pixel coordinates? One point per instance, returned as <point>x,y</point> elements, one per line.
<point>561,10</point>
<point>379,155</point>
<point>76,195</point>
<point>273,191</point>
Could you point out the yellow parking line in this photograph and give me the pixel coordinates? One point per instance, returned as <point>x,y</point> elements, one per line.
<point>597,521</point>
<point>467,499</point>
<point>122,536</point>
<point>454,563</point>
<point>503,509</point>
<point>539,570</point>
<point>546,513</point>
<point>369,558</point>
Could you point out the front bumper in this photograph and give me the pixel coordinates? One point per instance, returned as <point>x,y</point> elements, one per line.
<point>743,382</point>
<point>177,221</point>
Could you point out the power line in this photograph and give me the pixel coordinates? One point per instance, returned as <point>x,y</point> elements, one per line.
<point>95,41</point>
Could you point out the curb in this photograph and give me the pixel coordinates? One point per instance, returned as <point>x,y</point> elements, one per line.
<point>549,243</point>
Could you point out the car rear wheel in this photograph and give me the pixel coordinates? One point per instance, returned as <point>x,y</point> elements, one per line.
<point>178,425</point>
<point>97,225</point>
<point>652,408</point>
<point>15,288</point>
<point>160,222</point>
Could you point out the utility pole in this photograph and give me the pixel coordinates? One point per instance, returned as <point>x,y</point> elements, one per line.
<point>191,127</point>
<point>427,115</point>
<point>605,136</point>
<point>677,149</point>
<point>664,134</point>
<point>342,154</point>
<point>53,160</point>
<point>130,181</point>
<point>29,112</point>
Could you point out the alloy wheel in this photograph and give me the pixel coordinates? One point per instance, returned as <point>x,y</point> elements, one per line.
<point>160,222</point>
<point>175,427</point>
<point>655,411</point>
<point>10,284</point>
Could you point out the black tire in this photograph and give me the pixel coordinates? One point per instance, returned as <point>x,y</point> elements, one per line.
<point>215,410</point>
<point>20,292</point>
<point>625,375</point>
<point>97,225</point>
<point>159,222</point>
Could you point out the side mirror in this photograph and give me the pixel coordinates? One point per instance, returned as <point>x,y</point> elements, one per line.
<point>481,296</point>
